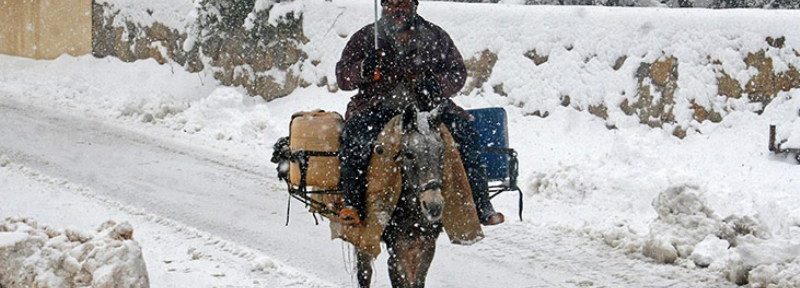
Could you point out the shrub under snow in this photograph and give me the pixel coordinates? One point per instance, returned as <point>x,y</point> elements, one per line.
<point>33,255</point>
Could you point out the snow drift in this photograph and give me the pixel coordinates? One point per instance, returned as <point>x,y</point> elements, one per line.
<point>33,255</point>
<point>742,248</point>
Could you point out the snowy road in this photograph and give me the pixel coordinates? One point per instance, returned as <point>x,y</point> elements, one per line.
<point>238,199</point>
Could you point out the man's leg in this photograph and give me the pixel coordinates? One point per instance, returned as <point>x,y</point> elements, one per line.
<point>357,136</point>
<point>466,137</point>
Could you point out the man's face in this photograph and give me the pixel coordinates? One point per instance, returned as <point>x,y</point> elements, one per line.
<point>399,13</point>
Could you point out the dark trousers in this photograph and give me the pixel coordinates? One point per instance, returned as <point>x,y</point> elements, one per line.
<point>361,130</point>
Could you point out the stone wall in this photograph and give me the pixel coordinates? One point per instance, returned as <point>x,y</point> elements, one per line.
<point>657,82</point>
<point>131,41</point>
<point>263,57</point>
<point>243,45</point>
<point>249,50</point>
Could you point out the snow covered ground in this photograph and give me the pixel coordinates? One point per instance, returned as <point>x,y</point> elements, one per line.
<point>205,202</point>
<point>86,140</point>
<point>63,194</point>
<point>209,211</point>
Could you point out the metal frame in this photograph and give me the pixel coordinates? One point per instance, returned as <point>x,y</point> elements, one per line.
<point>510,183</point>
<point>302,194</point>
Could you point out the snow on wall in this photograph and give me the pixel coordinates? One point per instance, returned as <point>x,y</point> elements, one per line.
<point>247,44</point>
<point>594,56</point>
<point>173,13</point>
<point>134,31</point>
<point>32,255</point>
<point>786,113</point>
<point>661,67</point>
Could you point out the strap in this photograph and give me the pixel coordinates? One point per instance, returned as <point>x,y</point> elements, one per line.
<point>288,209</point>
<point>520,204</point>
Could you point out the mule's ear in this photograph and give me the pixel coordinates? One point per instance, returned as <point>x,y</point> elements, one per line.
<point>410,119</point>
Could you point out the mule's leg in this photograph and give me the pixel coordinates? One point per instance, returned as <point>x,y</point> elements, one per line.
<point>396,269</point>
<point>428,250</point>
<point>364,266</point>
<point>409,260</point>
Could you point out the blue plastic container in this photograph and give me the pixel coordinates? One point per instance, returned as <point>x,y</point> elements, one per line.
<point>492,125</point>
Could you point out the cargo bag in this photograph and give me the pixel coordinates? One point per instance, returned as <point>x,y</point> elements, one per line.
<point>502,166</point>
<point>308,160</point>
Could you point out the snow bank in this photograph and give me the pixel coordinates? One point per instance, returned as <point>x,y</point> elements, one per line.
<point>668,200</point>
<point>32,255</point>
<point>785,113</point>
<point>683,220</point>
<point>776,275</point>
<point>687,232</point>
<point>226,114</point>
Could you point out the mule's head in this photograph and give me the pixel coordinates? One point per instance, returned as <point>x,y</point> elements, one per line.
<point>421,158</point>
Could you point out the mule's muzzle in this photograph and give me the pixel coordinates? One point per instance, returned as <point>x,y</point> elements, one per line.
<point>432,204</point>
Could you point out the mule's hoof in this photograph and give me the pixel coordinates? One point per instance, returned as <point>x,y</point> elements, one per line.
<point>494,219</point>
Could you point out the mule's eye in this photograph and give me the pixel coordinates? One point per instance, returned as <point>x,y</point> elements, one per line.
<point>410,156</point>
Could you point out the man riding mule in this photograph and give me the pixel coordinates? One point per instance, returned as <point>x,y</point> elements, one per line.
<point>407,62</point>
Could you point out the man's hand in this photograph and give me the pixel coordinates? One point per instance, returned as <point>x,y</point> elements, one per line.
<point>371,65</point>
<point>379,65</point>
<point>429,92</point>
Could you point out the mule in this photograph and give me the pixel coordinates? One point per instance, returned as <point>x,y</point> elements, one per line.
<point>415,225</point>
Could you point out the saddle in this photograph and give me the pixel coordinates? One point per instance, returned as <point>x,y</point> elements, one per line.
<point>384,187</point>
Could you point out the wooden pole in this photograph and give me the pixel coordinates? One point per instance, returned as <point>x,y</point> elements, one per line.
<point>772,146</point>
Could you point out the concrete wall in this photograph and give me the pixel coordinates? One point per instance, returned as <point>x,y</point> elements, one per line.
<point>45,29</point>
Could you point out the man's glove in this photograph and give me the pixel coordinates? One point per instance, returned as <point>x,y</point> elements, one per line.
<point>429,92</point>
<point>370,64</point>
<point>381,60</point>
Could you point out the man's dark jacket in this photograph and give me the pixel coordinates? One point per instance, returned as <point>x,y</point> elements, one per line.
<point>430,51</point>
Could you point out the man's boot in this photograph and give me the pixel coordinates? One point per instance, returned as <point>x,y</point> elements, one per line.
<point>492,218</point>
<point>349,216</point>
